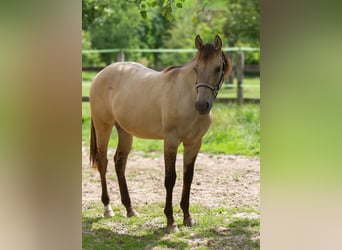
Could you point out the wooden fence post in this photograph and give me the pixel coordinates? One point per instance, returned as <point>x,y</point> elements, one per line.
<point>239,73</point>
<point>231,76</point>
<point>121,57</point>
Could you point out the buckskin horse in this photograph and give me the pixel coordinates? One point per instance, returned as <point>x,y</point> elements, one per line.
<point>173,105</point>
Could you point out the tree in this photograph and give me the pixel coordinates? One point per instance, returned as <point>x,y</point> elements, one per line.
<point>165,6</point>
<point>94,12</point>
<point>243,22</point>
<point>122,24</point>
<point>117,29</point>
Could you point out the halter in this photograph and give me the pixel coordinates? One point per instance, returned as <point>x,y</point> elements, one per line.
<point>215,89</point>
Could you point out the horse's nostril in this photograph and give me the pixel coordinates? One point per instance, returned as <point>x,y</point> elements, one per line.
<point>207,105</point>
<point>203,107</point>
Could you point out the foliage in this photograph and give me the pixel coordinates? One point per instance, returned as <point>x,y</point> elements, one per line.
<point>94,12</point>
<point>243,22</point>
<point>116,30</point>
<point>166,7</point>
<point>168,24</point>
<point>92,59</point>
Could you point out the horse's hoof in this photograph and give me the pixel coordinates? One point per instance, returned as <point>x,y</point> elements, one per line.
<point>108,213</point>
<point>132,213</point>
<point>170,229</point>
<point>189,222</point>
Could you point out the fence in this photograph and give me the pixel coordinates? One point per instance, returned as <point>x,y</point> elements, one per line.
<point>238,70</point>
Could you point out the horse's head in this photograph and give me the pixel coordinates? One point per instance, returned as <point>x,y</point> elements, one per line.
<point>210,66</point>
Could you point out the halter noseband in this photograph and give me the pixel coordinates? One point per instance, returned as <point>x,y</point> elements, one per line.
<point>215,89</point>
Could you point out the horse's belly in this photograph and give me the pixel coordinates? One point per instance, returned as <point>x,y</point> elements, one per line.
<point>147,125</point>
<point>142,132</point>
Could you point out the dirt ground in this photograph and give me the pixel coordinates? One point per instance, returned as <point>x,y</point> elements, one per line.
<point>219,180</point>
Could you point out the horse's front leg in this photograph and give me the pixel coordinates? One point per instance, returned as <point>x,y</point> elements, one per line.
<point>170,154</point>
<point>190,154</point>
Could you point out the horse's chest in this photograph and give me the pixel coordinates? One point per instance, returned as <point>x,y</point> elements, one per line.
<point>194,129</point>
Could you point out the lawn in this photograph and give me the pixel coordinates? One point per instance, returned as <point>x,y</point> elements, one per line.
<point>217,228</point>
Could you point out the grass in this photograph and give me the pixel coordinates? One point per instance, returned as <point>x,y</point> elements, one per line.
<point>216,228</point>
<point>234,130</point>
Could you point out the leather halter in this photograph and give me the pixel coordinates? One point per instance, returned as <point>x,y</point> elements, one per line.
<point>215,89</point>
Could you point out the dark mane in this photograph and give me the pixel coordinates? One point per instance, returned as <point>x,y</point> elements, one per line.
<point>207,50</point>
<point>170,68</point>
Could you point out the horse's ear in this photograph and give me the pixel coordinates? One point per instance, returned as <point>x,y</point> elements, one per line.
<point>198,42</point>
<point>218,42</point>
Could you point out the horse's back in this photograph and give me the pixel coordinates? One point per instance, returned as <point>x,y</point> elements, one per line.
<point>147,103</point>
<point>129,93</point>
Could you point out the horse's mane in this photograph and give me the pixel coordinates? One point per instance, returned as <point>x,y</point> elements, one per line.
<point>170,68</point>
<point>204,54</point>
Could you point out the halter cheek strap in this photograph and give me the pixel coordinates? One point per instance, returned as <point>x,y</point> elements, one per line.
<point>215,89</point>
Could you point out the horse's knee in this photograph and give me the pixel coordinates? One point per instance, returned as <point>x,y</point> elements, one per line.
<point>170,179</point>
<point>188,174</point>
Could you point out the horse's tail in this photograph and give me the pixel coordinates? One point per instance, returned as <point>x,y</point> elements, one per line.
<point>93,146</point>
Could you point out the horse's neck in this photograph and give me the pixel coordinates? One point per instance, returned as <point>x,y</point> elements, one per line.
<point>189,76</point>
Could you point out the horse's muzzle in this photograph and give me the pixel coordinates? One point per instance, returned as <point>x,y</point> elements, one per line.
<point>203,107</point>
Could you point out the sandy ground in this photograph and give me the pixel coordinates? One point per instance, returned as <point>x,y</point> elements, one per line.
<point>219,180</point>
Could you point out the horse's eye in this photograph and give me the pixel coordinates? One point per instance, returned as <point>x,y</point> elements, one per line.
<point>195,69</point>
<point>217,69</point>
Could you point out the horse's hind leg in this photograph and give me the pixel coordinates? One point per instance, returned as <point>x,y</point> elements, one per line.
<point>170,155</point>
<point>103,132</point>
<point>120,160</point>
<point>190,154</point>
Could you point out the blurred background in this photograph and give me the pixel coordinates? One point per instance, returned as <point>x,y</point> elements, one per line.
<point>41,45</point>
<point>148,24</point>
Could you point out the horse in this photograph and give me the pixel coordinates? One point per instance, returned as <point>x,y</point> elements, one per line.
<point>173,105</point>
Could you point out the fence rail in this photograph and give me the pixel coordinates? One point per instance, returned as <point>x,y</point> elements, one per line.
<point>89,51</point>
<point>248,68</point>
<point>219,100</point>
<point>238,70</point>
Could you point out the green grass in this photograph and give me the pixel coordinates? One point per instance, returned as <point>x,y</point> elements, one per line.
<point>216,228</point>
<point>235,130</point>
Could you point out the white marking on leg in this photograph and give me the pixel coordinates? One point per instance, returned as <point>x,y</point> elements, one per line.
<point>108,211</point>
